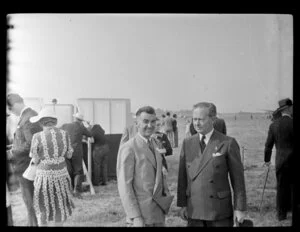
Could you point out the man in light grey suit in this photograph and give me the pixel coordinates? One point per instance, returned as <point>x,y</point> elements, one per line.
<point>206,159</point>
<point>141,182</point>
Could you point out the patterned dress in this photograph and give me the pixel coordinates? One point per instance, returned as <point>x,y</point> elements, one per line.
<point>52,185</point>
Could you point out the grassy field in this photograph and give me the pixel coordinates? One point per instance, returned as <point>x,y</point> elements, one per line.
<point>104,209</point>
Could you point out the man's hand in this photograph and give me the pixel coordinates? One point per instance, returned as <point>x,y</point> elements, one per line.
<point>267,164</point>
<point>161,150</point>
<point>239,216</point>
<point>138,222</point>
<point>183,213</point>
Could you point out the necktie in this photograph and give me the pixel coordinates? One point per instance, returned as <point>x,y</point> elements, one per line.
<point>202,143</point>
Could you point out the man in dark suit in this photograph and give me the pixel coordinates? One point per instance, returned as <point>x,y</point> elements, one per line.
<point>218,123</point>
<point>76,131</point>
<point>100,150</point>
<point>19,154</point>
<point>203,189</point>
<point>281,134</point>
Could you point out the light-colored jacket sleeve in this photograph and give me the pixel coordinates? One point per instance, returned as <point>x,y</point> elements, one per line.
<point>125,177</point>
<point>125,136</point>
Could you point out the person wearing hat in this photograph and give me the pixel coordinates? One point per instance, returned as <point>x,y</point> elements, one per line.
<point>281,134</point>
<point>76,131</point>
<point>19,153</point>
<point>52,184</point>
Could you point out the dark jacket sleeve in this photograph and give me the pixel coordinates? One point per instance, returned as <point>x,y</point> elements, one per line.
<point>86,131</point>
<point>237,178</point>
<point>182,179</point>
<point>269,144</point>
<point>28,130</point>
<point>167,145</point>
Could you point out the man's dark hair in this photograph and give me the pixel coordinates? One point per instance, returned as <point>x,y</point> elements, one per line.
<point>174,116</point>
<point>168,113</point>
<point>163,115</point>
<point>146,109</point>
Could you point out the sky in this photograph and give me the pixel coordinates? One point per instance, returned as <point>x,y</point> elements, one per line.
<point>170,61</point>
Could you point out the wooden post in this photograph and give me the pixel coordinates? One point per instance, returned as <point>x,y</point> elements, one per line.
<point>89,158</point>
<point>88,178</point>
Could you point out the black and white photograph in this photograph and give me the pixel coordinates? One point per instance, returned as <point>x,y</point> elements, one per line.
<point>150,120</point>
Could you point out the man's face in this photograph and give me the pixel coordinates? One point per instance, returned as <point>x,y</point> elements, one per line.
<point>201,120</point>
<point>146,124</point>
<point>14,109</point>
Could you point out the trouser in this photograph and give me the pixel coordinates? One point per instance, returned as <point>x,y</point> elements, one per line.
<point>9,216</point>
<point>100,162</point>
<point>176,138</point>
<point>284,191</point>
<point>227,222</point>
<point>75,169</point>
<point>27,195</point>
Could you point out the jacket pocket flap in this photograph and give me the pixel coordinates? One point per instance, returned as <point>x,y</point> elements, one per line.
<point>223,194</point>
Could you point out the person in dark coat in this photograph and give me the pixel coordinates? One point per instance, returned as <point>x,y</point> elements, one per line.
<point>100,153</point>
<point>163,143</point>
<point>8,177</point>
<point>76,131</point>
<point>218,123</point>
<point>281,134</point>
<point>19,154</point>
<point>175,129</point>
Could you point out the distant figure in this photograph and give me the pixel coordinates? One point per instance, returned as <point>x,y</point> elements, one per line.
<point>210,164</point>
<point>190,130</point>
<point>168,128</point>
<point>141,181</point>
<point>281,134</point>
<point>235,117</point>
<point>52,185</point>
<point>162,142</point>
<point>76,131</point>
<point>251,116</point>
<point>19,154</point>
<point>218,123</point>
<point>175,129</point>
<point>100,151</point>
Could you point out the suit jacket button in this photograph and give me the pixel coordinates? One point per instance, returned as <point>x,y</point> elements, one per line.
<point>210,196</point>
<point>217,166</point>
<point>211,181</point>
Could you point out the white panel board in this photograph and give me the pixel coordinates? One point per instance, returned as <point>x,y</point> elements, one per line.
<point>34,103</point>
<point>102,114</point>
<point>118,116</point>
<point>86,108</point>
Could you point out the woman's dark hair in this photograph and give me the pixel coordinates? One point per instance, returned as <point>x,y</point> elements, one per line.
<point>48,121</point>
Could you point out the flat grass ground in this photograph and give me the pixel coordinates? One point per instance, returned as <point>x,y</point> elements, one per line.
<point>104,209</point>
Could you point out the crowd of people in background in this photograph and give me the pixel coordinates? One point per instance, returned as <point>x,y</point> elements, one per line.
<point>210,187</point>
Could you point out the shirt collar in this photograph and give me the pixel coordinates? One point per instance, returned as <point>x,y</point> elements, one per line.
<point>143,138</point>
<point>207,136</point>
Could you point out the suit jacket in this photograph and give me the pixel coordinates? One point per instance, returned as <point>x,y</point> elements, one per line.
<point>139,175</point>
<point>281,134</point>
<point>98,135</point>
<point>128,133</point>
<point>219,125</point>
<point>203,183</point>
<point>76,130</point>
<point>22,140</point>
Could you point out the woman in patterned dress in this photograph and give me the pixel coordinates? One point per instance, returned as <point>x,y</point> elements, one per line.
<point>52,184</point>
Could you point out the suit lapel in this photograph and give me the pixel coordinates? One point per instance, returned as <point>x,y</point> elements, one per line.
<point>158,177</point>
<point>196,152</point>
<point>146,150</point>
<point>207,154</point>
